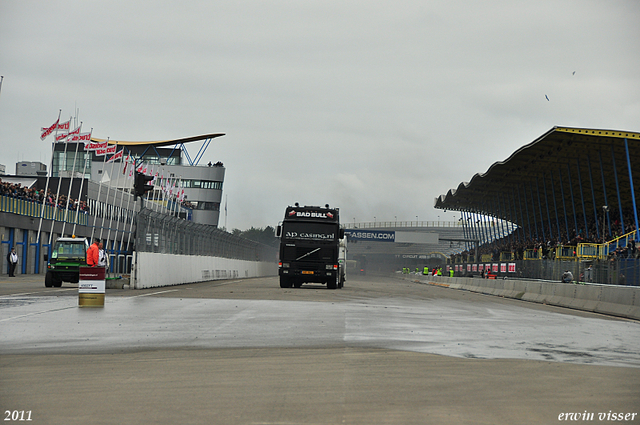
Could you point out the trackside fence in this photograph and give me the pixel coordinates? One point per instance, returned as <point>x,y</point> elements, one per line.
<point>165,234</point>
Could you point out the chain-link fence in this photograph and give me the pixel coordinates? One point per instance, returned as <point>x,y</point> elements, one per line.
<point>161,233</point>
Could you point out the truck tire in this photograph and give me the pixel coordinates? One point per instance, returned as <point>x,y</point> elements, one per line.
<point>341,283</point>
<point>297,284</point>
<point>57,283</point>
<point>285,282</point>
<point>48,280</point>
<point>332,284</point>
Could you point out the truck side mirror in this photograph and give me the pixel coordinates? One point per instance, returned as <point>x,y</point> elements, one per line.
<point>278,231</point>
<point>341,233</point>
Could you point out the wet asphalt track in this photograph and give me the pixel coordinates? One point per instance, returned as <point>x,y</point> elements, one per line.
<point>382,350</point>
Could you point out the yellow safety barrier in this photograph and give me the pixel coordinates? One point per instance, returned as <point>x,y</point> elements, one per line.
<point>566,252</point>
<point>506,256</point>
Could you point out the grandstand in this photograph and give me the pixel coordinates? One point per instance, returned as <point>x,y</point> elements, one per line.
<point>570,196</point>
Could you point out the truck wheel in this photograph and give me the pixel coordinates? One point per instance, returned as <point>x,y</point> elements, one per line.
<point>48,279</point>
<point>285,282</point>
<point>57,283</point>
<point>341,283</point>
<point>332,284</point>
<point>297,284</point>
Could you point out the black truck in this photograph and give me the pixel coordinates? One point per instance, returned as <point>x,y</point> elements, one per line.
<point>310,247</point>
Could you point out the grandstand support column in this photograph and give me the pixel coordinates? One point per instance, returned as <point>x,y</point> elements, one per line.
<point>633,196</point>
<point>514,215</point>
<point>546,201</point>
<point>533,210</point>
<point>555,206</point>
<point>464,228</point>
<point>472,224</point>
<point>593,197</point>
<point>604,191</point>
<point>522,229</point>
<point>522,216</point>
<point>480,228</point>
<point>564,205</point>
<point>544,235</point>
<point>584,209</point>
<point>573,203</point>
<point>503,213</point>
<point>526,207</point>
<point>490,235</point>
<point>615,175</point>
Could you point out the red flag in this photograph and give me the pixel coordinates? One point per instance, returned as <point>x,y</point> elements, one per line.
<point>126,164</point>
<point>47,131</point>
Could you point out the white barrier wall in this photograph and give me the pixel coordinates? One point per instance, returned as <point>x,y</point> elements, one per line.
<point>607,299</point>
<point>153,269</point>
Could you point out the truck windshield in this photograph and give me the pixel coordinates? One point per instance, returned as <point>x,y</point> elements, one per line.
<point>310,231</point>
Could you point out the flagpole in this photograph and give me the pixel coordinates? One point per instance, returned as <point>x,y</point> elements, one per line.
<point>95,215</point>
<point>115,197</point>
<point>46,187</point>
<point>84,170</point>
<point>134,209</point>
<point>73,170</point>
<point>108,190</point>
<point>55,209</point>
<point>124,225</point>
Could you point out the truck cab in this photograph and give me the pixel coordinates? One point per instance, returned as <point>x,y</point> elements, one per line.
<point>67,255</point>
<point>310,250</point>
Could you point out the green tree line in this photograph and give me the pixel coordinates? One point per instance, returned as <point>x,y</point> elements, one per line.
<point>265,236</point>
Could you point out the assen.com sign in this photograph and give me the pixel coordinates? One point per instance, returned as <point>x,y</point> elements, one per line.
<point>371,235</point>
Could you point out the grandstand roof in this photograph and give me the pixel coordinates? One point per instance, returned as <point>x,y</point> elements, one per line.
<point>159,143</point>
<point>564,160</point>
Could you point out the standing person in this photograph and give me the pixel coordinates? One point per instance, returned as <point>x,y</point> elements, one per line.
<point>12,258</point>
<point>103,259</point>
<point>93,255</point>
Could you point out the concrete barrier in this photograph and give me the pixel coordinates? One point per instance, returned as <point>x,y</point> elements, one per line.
<point>623,301</point>
<point>619,301</point>
<point>154,269</point>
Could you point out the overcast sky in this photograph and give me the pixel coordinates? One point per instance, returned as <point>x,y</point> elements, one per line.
<point>376,107</point>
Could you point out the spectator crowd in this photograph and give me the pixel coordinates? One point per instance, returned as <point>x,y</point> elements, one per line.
<point>516,243</point>
<point>17,191</point>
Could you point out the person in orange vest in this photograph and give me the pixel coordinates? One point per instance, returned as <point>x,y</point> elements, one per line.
<point>93,254</point>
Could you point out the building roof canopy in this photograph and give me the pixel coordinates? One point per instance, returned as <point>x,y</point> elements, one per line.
<point>544,176</point>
